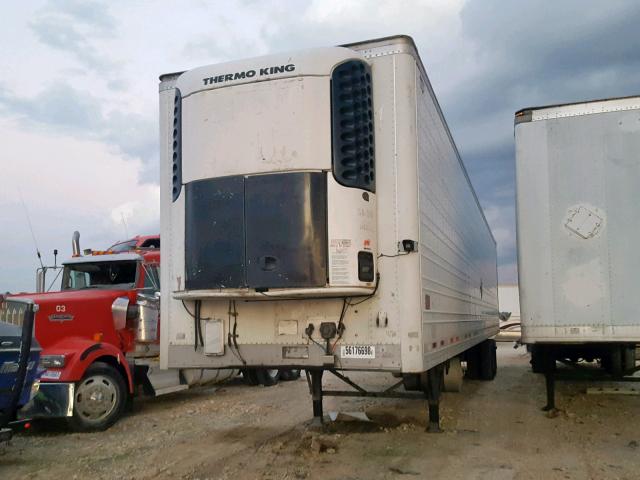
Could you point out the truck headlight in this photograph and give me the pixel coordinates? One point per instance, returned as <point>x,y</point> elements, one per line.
<point>35,388</point>
<point>52,361</point>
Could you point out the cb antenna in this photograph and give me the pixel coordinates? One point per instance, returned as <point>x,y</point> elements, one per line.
<point>124,223</point>
<point>33,235</point>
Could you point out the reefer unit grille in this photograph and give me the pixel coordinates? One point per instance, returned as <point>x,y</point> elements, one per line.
<point>176,145</point>
<point>352,125</point>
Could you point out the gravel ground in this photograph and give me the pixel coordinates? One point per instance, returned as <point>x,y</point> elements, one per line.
<point>493,430</point>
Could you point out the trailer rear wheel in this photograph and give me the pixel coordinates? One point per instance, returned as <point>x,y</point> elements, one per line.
<point>472,357</point>
<point>99,399</point>
<point>250,377</point>
<point>287,374</point>
<point>488,360</point>
<point>537,358</point>
<point>453,376</point>
<point>268,377</point>
<point>629,358</point>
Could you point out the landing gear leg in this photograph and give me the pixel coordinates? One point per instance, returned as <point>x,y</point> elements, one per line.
<point>434,381</point>
<point>549,377</point>
<point>551,391</point>
<point>316,396</point>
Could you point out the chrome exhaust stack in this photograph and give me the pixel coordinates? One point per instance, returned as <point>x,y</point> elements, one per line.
<point>75,244</point>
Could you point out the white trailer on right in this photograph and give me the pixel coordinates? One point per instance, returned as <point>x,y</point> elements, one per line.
<point>578,226</point>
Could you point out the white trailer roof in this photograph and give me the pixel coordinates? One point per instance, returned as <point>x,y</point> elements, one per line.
<point>589,107</point>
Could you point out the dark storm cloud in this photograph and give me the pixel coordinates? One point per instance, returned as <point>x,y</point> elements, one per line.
<point>68,26</point>
<point>58,106</point>
<point>64,109</point>
<point>529,54</point>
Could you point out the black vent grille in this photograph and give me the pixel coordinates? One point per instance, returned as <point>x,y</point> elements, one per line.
<point>352,125</point>
<point>176,167</point>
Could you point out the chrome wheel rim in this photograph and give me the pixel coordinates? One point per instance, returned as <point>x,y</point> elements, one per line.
<point>96,397</point>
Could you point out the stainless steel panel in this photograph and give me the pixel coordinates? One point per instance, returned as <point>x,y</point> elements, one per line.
<point>147,330</point>
<point>52,400</point>
<point>119,312</point>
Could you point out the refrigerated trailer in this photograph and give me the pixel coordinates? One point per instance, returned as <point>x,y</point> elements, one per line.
<point>578,174</point>
<point>316,214</point>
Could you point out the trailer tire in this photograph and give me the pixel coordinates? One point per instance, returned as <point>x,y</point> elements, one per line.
<point>453,376</point>
<point>616,368</point>
<point>100,399</point>
<point>488,360</point>
<point>629,358</point>
<point>250,377</point>
<point>268,377</point>
<point>472,357</point>
<point>286,375</point>
<point>537,359</point>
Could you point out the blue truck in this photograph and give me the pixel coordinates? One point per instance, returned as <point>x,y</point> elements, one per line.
<point>19,358</point>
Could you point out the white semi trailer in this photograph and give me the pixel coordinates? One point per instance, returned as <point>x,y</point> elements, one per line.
<point>578,175</point>
<point>316,214</point>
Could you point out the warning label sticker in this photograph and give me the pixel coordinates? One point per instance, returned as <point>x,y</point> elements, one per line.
<point>339,254</point>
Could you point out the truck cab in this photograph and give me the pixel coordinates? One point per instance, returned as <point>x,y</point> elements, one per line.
<point>99,337</point>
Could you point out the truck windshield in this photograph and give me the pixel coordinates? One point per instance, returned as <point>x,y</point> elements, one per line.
<point>124,246</point>
<point>99,275</point>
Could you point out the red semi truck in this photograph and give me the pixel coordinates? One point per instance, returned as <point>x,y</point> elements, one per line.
<point>99,336</point>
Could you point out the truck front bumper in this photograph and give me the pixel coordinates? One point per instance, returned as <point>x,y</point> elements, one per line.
<point>53,400</point>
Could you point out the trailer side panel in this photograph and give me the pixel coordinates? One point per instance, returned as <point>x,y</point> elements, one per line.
<point>577,175</point>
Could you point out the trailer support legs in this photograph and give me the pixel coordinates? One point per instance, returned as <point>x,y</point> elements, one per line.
<point>316,396</point>
<point>433,388</point>
<point>551,391</point>
<point>549,363</point>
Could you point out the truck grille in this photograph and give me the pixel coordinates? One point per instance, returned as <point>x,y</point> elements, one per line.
<point>352,125</point>
<point>11,312</point>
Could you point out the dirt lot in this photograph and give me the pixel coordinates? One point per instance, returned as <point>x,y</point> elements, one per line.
<point>493,430</point>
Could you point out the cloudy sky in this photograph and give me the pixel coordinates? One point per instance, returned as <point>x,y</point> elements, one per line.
<point>78,94</point>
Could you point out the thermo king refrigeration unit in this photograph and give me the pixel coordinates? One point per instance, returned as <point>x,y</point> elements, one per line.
<point>316,214</point>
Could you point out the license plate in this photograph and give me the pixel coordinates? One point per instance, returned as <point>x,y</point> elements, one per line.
<point>358,351</point>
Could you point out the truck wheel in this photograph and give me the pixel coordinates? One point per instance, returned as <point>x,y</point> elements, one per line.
<point>287,375</point>
<point>488,360</point>
<point>99,399</point>
<point>268,377</point>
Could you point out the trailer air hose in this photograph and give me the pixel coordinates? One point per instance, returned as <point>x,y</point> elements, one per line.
<point>370,296</point>
<point>196,323</point>
<point>232,337</point>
